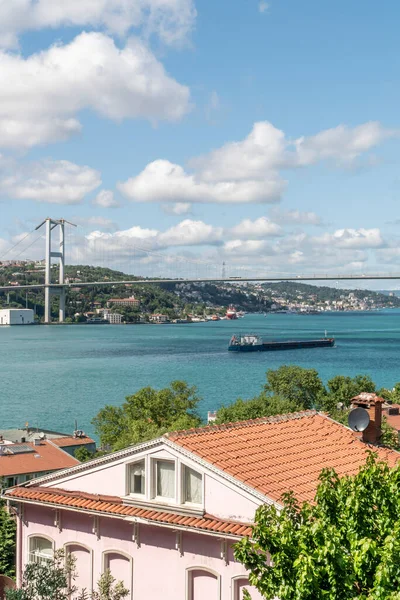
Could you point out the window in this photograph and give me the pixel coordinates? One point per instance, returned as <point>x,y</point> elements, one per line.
<point>165,479</point>
<point>202,583</point>
<point>193,486</point>
<point>40,550</point>
<point>137,478</point>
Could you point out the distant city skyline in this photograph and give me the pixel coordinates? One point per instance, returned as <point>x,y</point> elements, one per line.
<point>254,133</point>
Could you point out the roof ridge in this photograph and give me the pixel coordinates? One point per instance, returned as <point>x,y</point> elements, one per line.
<point>239,424</point>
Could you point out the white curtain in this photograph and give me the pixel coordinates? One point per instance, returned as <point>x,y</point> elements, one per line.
<point>165,479</point>
<point>137,478</point>
<point>193,486</point>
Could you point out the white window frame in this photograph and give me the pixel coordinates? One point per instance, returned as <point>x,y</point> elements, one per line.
<point>128,478</point>
<point>43,537</point>
<point>163,499</point>
<point>188,574</point>
<point>80,545</point>
<point>183,486</point>
<point>125,555</point>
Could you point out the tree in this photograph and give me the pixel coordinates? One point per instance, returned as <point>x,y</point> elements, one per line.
<point>148,414</point>
<point>299,385</point>
<point>7,543</point>
<point>345,545</point>
<point>82,454</point>
<point>343,388</point>
<point>260,406</point>
<point>52,580</point>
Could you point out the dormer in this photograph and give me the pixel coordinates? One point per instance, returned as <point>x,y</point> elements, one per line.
<point>164,480</point>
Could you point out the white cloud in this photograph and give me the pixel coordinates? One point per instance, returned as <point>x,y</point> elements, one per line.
<point>162,181</point>
<point>295,217</point>
<point>57,182</point>
<point>246,247</point>
<point>249,171</point>
<point>190,233</point>
<point>263,6</point>
<point>179,208</point>
<point>106,199</point>
<point>171,20</point>
<point>352,238</point>
<point>259,228</point>
<point>342,144</point>
<point>41,95</point>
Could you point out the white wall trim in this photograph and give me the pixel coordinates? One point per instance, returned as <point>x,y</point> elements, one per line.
<point>90,550</point>
<point>125,555</point>
<point>188,592</point>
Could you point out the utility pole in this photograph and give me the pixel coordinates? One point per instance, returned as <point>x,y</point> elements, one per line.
<point>49,289</point>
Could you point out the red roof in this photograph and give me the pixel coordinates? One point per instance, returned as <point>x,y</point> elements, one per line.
<point>277,454</point>
<point>45,457</point>
<point>63,442</point>
<point>113,505</point>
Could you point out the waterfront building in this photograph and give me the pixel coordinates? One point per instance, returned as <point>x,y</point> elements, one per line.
<point>159,318</point>
<point>16,316</point>
<point>131,301</point>
<point>113,318</point>
<point>163,515</point>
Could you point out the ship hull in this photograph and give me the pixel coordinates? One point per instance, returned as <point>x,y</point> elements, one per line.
<point>289,345</point>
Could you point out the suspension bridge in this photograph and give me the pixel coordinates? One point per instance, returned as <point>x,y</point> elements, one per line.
<point>157,267</point>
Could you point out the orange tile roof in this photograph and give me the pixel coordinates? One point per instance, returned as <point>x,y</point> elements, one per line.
<point>393,420</point>
<point>64,442</point>
<point>277,454</point>
<point>113,505</point>
<point>44,457</point>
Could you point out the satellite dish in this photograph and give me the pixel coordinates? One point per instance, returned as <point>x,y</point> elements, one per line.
<point>358,419</point>
<point>42,435</point>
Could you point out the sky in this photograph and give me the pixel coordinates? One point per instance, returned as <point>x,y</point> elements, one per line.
<point>262,135</point>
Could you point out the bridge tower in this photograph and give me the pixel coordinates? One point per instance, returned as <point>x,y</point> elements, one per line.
<point>49,288</point>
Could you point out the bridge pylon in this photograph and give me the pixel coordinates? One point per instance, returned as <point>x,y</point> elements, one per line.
<point>49,288</point>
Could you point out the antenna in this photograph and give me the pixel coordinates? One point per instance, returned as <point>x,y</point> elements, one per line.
<point>358,419</point>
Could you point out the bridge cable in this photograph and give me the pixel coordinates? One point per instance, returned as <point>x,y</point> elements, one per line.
<point>15,245</point>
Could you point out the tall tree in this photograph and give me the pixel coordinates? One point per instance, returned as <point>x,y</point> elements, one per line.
<point>294,383</point>
<point>345,545</point>
<point>260,406</point>
<point>7,542</point>
<point>148,414</point>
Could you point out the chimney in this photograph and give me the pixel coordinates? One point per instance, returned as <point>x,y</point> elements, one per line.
<point>373,405</point>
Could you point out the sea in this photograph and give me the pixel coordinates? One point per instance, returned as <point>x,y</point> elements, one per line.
<point>54,377</point>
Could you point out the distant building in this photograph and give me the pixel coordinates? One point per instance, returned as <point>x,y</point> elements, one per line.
<point>16,316</point>
<point>158,318</point>
<point>24,461</point>
<point>131,301</point>
<point>113,318</point>
<point>69,443</point>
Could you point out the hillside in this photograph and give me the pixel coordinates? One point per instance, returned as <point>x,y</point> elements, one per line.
<point>178,300</point>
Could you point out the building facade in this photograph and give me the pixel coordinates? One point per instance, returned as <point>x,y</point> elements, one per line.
<point>163,515</point>
<point>113,318</point>
<point>131,301</point>
<point>16,316</point>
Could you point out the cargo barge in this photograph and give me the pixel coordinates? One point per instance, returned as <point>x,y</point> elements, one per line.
<point>255,343</point>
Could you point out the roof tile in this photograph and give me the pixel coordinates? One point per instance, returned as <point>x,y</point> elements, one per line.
<point>276,454</point>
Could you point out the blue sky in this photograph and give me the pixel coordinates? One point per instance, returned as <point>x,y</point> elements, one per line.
<point>245,132</point>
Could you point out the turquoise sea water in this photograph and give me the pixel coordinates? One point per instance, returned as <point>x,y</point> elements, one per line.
<point>52,375</point>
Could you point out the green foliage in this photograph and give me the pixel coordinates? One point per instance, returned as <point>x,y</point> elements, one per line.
<point>346,545</point>
<point>148,414</point>
<point>52,580</point>
<point>301,386</point>
<point>82,454</point>
<point>260,406</point>
<point>108,589</point>
<point>343,389</point>
<point>7,543</point>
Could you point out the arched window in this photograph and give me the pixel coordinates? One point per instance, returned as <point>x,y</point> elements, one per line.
<point>239,585</point>
<point>83,558</point>
<point>41,549</point>
<point>202,583</point>
<point>121,567</point>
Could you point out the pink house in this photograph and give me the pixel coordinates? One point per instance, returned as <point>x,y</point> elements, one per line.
<point>163,515</point>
